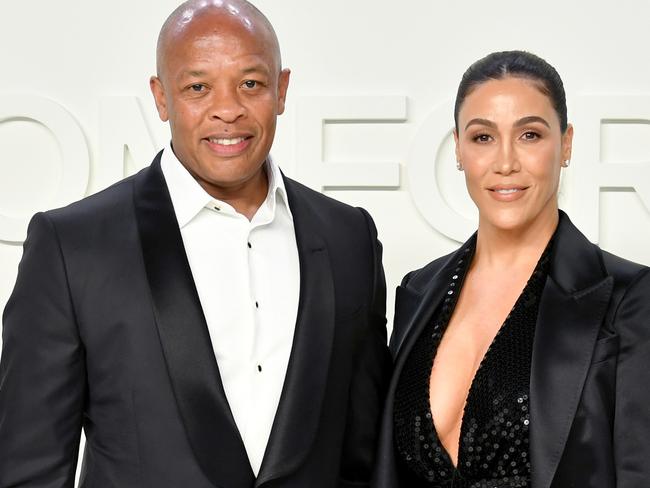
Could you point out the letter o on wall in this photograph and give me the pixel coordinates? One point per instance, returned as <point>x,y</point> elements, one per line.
<point>72,144</point>
<point>423,179</point>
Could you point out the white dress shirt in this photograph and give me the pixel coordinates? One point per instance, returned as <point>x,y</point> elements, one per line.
<point>247,276</point>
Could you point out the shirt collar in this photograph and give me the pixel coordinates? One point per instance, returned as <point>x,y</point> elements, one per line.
<point>189,198</point>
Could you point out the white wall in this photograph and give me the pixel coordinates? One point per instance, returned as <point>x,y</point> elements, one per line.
<point>384,73</point>
<point>82,68</point>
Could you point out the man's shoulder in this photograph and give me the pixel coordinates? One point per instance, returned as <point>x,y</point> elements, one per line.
<point>109,202</point>
<point>340,224</point>
<point>315,198</point>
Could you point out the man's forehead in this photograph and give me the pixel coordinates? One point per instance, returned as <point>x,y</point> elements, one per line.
<point>196,72</point>
<point>202,38</point>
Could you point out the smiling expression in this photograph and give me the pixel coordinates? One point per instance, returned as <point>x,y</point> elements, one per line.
<point>511,147</point>
<point>221,89</point>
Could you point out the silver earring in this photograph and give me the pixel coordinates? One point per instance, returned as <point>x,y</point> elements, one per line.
<point>459,166</point>
<point>566,163</point>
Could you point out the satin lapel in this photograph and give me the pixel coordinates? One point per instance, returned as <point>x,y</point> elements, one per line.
<point>297,418</point>
<point>430,298</point>
<point>184,336</point>
<point>425,304</point>
<point>571,312</point>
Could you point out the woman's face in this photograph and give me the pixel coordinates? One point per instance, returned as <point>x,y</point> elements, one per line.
<point>511,147</point>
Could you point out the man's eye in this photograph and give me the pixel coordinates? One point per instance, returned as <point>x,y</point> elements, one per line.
<point>197,87</point>
<point>250,83</point>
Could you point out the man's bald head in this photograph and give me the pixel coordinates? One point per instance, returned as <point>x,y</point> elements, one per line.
<point>238,11</point>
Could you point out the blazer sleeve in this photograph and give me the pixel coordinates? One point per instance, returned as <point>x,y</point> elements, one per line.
<point>42,372</point>
<point>632,414</point>
<point>369,381</point>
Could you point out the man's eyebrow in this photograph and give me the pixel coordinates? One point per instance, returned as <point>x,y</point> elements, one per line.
<point>530,119</point>
<point>486,122</point>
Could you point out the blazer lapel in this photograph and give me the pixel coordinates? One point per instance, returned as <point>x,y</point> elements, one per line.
<point>297,418</point>
<point>184,336</point>
<point>571,312</point>
<point>430,298</point>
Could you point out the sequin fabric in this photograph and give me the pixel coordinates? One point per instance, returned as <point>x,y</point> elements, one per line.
<point>493,450</point>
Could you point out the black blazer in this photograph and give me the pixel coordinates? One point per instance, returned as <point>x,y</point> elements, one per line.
<point>590,373</point>
<point>104,330</point>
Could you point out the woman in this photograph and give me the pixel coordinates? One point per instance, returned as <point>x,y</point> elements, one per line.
<point>523,358</point>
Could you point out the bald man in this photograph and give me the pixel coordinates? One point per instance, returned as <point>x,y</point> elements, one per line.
<point>207,322</point>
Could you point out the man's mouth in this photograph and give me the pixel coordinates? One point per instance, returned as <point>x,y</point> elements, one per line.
<point>226,142</point>
<point>228,146</point>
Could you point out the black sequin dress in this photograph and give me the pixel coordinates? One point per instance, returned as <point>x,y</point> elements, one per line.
<point>493,450</point>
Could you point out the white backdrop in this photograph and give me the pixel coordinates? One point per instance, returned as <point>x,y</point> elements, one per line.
<point>368,115</point>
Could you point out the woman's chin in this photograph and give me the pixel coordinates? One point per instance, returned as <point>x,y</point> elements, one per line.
<point>518,220</point>
<point>504,221</point>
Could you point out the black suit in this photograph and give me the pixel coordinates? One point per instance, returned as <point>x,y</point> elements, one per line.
<point>590,374</point>
<point>104,330</point>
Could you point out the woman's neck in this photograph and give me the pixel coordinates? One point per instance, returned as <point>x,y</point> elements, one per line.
<point>514,248</point>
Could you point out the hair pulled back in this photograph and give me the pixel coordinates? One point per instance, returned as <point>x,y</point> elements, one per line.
<point>522,64</point>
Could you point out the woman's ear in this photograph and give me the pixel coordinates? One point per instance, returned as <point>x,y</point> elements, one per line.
<point>456,150</point>
<point>567,143</point>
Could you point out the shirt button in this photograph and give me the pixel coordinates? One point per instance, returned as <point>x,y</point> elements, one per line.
<point>249,245</point>
<point>257,305</point>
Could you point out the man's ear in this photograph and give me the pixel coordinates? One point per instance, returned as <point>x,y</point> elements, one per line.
<point>158,92</point>
<point>283,85</point>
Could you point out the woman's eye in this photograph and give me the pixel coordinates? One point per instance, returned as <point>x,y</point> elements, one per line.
<point>530,135</point>
<point>482,138</point>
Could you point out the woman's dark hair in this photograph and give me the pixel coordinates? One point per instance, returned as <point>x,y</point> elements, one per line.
<point>521,64</point>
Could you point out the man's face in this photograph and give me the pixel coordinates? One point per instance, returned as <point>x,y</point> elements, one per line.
<point>221,90</point>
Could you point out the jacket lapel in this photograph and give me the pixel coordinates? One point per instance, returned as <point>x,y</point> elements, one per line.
<point>184,336</point>
<point>297,418</point>
<point>571,312</point>
<point>431,296</point>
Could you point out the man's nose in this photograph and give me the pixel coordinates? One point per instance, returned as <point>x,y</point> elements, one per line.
<point>226,105</point>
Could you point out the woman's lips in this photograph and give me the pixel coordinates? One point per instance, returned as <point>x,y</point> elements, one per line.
<point>507,193</point>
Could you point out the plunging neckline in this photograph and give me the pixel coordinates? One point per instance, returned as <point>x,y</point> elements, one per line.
<point>452,305</point>
<point>463,429</point>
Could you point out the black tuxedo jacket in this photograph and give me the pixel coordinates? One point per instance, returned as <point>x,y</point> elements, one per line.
<point>104,330</point>
<point>590,374</point>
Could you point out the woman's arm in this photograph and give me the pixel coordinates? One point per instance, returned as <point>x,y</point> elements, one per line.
<point>632,412</point>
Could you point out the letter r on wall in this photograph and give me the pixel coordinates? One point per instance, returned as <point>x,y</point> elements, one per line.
<point>589,174</point>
